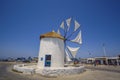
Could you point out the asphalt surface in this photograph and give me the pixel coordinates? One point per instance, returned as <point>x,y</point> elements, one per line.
<point>102,69</point>
<point>94,73</point>
<point>6,74</point>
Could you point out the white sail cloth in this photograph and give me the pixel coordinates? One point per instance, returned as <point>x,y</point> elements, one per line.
<point>77,25</point>
<point>62,25</point>
<point>67,56</point>
<point>78,38</point>
<point>73,51</point>
<point>58,32</point>
<point>68,21</point>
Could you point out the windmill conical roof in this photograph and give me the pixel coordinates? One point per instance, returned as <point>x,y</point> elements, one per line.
<point>51,35</point>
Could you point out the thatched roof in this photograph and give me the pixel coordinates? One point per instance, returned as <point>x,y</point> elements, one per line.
<point>51,35</point>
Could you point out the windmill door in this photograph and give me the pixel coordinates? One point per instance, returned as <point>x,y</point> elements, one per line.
<point>47,60</point>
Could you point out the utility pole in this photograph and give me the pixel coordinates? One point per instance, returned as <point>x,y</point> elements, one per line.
<point>104,51</point>
<point>90,56</point>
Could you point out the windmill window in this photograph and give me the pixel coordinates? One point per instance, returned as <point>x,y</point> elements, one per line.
<point>47,60</point>
<point>41,58</point>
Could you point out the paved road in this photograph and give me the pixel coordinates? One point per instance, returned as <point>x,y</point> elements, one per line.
<point>7,74</point>
<point>102,69</point>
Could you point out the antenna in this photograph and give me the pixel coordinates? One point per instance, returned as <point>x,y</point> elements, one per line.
<point>104,50</point>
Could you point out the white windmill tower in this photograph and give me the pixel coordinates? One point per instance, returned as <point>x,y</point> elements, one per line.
<point>70,52</point>
<point>51,53</point>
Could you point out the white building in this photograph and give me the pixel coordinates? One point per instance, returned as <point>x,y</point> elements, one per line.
<point>102,60</point>
<point>51,53</point>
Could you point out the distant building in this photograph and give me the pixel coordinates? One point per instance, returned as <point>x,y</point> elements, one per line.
<point>10,59</point>
<point>20,59</point>
<point>102,60</point>
<point>35,59</point>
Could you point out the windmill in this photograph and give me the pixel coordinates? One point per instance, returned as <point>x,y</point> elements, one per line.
<point>70,52</point>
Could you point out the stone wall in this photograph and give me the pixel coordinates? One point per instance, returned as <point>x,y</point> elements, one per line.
<point>24,69</point>
<point>60,71</point>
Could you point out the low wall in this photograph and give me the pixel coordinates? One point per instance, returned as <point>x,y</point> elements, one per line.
<point>24,69</point>
<point>49,71</point>
<point>60,71</point>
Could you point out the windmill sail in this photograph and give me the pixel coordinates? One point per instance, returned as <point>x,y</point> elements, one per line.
<point>58,32</point>
<point>68,23</point>
<point>73,51</point>
<point>77,25</point>
<point>67,56</point>
<point>62,25</point>
<point>78,38</point>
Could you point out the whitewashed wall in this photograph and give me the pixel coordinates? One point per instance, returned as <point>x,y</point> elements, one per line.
<point>53,47</point>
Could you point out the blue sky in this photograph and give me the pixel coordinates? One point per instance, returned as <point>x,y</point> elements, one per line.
<point>22,22</point>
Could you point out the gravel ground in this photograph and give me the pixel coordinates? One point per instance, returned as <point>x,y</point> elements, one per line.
<point>6,73</point>
<point>104,68</point>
